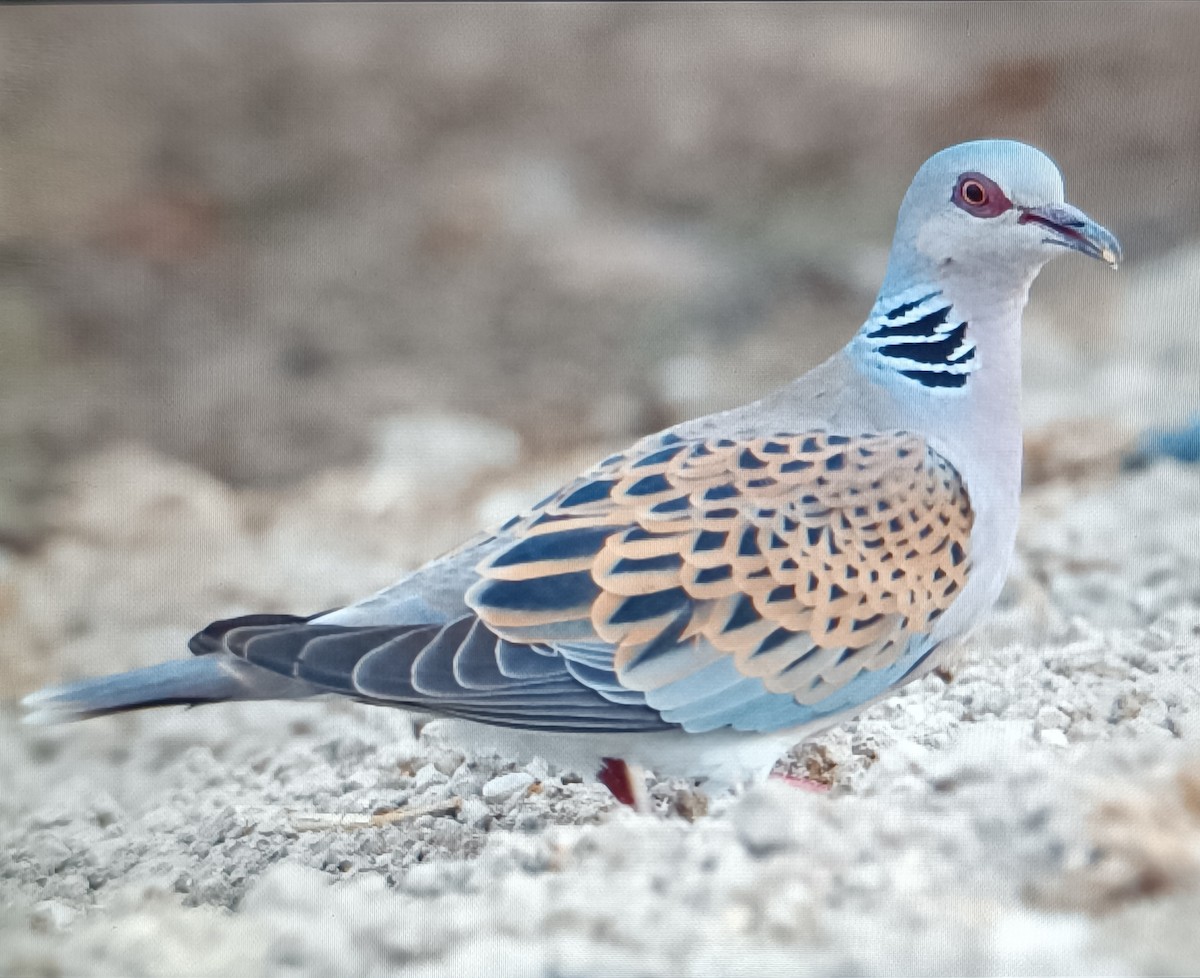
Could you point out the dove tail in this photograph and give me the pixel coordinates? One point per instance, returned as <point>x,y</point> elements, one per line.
<point>187,682</point>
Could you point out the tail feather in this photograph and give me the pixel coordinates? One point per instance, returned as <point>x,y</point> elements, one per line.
<point>185,682</point>
<point>212,638</point>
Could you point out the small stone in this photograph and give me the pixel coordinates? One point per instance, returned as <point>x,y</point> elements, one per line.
<point>506,786</point>
<point>1052,718</point>
<point>1053,738</point>
<point>51,854</point>
<point>51,915</point>
<point>474,813</point>
<point>427,777</point>
<point>446,760</point>
<point>72,886</point>
<point>466,780</point>
<point>766,819</point>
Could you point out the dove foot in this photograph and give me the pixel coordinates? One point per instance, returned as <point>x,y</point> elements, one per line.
<point>801,784</point>
<point>627,782</point>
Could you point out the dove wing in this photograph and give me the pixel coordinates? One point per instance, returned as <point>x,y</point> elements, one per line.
<point>757,583</point>
<point>760,584</point>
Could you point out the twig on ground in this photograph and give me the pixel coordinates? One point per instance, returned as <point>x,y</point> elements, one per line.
<point>320,821</point>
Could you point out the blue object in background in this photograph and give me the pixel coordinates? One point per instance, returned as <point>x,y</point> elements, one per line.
<point>1182,444</point>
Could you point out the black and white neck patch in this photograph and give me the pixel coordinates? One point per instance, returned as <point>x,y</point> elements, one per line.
<point>917,335</point>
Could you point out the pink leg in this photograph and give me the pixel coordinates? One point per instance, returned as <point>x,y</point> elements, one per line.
<point>614,775</point>
<point>803,784</point>
<point>626,782</point>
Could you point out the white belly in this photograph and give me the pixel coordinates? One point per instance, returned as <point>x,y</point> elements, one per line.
<point>723,759</point>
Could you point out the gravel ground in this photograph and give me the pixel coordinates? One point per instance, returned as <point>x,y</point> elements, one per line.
<point>1039,813</point>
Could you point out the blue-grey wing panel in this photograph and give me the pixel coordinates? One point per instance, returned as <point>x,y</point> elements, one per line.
<point>460,669</point>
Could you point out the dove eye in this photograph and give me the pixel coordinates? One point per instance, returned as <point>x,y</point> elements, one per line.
<point>979,196</point>
<point>974,192</point>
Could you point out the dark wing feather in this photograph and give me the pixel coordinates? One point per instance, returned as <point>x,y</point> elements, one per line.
<point>461,669</point>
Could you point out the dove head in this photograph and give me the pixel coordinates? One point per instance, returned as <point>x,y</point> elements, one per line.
<point>991,211</point>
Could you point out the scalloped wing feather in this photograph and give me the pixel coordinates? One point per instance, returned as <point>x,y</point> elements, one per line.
<point>804,560</point>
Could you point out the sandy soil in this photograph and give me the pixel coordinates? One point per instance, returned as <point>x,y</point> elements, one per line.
<point>1037,814</point>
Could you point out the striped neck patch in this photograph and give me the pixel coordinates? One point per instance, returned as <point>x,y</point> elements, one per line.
<point>917,336</point>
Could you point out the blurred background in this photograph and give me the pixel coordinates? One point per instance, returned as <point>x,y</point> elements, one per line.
<point>268,243</point>
<point>245,235</point>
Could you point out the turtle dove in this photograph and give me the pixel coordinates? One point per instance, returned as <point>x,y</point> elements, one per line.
<point>706,599</point>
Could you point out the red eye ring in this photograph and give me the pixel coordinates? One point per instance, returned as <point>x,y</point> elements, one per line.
<point>979,196</point>
<point>973,192</point>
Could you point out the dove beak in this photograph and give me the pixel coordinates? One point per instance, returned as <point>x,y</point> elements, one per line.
<point>1072,228</point>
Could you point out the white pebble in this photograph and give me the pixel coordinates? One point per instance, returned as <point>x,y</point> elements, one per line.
<point>51,915</point>
<point>1053,737</point>
<point>427,776</point>
<point>474,813</point>
<point>506,786</point>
